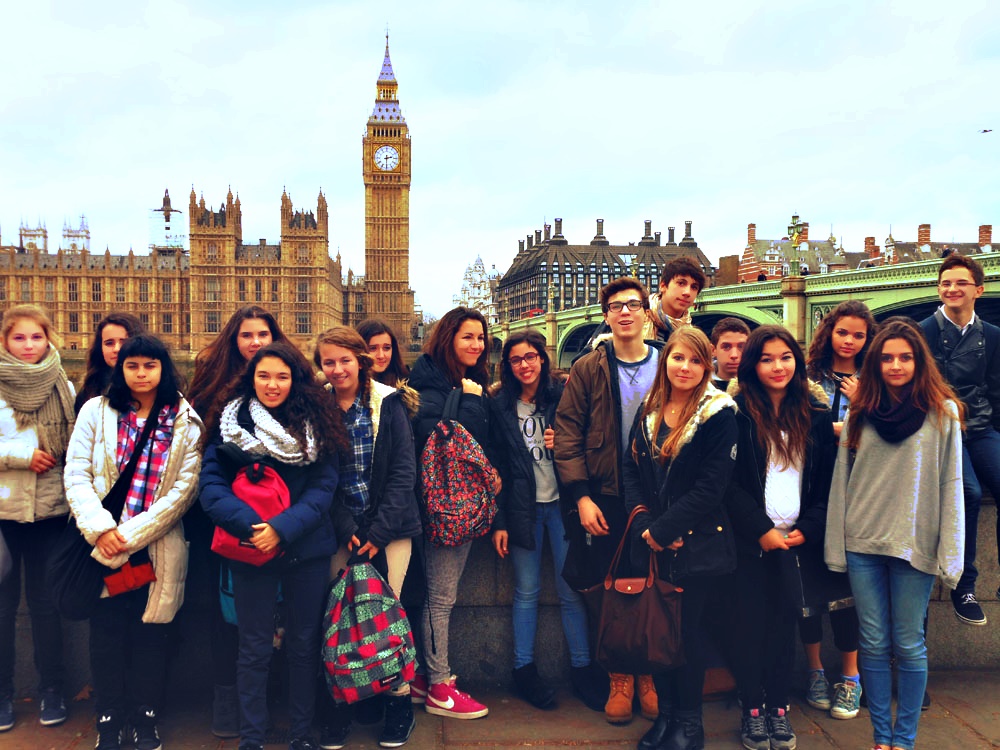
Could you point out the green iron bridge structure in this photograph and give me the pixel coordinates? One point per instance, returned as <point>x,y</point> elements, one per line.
<point>797,302</point>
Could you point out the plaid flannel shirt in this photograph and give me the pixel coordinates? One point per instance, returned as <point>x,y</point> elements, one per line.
<point>152,462</point>
<point>356,471</point>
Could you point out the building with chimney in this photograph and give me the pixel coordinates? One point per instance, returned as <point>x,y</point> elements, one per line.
<point>549,273</point>
<point>768,259</point>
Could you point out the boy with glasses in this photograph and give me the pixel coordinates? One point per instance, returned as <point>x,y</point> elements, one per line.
<point>967,350</point>
<point>605,391</point>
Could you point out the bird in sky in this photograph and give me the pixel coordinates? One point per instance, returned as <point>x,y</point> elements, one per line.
<point>988,130</point>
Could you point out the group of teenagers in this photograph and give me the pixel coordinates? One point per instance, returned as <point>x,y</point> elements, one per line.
<point>743,453</point>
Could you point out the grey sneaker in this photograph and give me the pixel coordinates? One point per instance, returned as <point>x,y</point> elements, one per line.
<point>846,700</point>
<point>818,690</point>
<point>753,730</point>
<point>779,729</point>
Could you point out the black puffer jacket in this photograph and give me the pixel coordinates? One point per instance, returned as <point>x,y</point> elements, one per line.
<point>686,495</point>
<point>516,503</point>
<point>433,386</point>
<point>745,499</point>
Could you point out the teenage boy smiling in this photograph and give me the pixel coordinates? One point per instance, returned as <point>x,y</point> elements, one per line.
<point>670,308</point>
<point>967,350</point>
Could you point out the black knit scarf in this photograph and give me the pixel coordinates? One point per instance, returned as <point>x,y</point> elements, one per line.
<point>897,420</point>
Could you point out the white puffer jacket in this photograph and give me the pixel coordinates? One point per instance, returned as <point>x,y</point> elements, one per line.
<point>24,495</point>
<point>91,471</point>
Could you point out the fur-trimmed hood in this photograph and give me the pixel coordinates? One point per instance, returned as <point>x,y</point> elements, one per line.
<point>381,391</point>
<point>711,403</point>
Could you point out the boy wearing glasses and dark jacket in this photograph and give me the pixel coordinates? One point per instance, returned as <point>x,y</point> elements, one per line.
<point>967,351</point>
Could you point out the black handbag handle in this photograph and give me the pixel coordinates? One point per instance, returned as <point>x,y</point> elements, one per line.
<point>612,569</point>
<point>114,501</point>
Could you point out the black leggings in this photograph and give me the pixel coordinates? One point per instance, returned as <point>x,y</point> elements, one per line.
<point>843,623</point>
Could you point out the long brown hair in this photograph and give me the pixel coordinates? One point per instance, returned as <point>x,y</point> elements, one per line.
<point>819,362</point>
<point>220,363</point>
<point>659,394</point>
<point>930,390</point>
<point>98,375</point>
<point>794,416</point>
<point>397,369</point>
<point>441,347</point>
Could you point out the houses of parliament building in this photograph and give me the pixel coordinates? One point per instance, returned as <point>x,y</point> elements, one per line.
<point>186,296</point>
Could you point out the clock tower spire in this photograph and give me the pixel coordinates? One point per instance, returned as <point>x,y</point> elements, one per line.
<point>386,172</point>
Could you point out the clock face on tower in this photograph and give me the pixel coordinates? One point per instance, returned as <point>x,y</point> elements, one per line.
<point>386,158</point>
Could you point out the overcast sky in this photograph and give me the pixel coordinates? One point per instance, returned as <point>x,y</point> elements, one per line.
<point>855,115</point>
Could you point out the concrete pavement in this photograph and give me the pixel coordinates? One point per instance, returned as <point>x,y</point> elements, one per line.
<point>965,715</point>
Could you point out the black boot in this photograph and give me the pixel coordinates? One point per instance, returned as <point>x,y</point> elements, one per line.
<point>686,733</point>
<point>656,737</point>
<point>530,686</point>
<point>590,685</point>
<point>399,721</point>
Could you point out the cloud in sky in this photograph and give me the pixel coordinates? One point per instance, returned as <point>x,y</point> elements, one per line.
<point>855,115</point>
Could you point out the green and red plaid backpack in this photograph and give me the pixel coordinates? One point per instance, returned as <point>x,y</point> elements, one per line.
<point>368,644</point>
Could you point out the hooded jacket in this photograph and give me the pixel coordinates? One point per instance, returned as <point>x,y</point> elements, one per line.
<point>427,379</point>
<point>685,496</point>
<point>393,512</point>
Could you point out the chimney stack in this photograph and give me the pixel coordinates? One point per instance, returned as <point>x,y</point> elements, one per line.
<point>670,236</point>
<point>558,227</point>
<point>647,228</point>
<point>924,234</point>
<point>548,232</point>
<point>804,233</point>
<point>520,246</point>
<point>599,238</point>
<point>538,236</point>
<point>751,233</point>
<point>871,249</point>
<point>687,230</point>
<point>531,241</point>
<point>657,236</point>
<point>600,227</point>
<point>985,235</point>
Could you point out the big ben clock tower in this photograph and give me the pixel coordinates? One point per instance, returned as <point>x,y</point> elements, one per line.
<point>386,170</point>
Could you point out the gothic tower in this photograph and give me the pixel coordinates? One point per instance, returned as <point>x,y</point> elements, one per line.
<point>386,170</point>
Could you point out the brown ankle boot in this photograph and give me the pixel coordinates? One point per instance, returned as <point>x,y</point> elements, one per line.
<point>618,709</point>
<point>647,697</point>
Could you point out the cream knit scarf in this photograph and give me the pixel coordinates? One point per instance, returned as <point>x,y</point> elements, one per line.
<point>268,438</point>
<point>40,396</point>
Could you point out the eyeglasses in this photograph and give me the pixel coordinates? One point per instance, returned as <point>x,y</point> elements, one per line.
<point>956,284</point>
<point>530,358</point>
<point>632,304</point>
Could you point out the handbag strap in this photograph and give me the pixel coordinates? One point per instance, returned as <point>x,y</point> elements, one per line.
<point>115,494</point>
<point>613,568</point>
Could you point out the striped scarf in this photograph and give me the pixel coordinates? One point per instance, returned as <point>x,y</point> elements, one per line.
<point>41,397</point>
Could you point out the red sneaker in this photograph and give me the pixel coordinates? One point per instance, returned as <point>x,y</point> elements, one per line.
<point>444,699</point>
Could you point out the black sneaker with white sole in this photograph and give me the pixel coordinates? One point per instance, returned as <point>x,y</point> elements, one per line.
<point>779,730</point>
<point>967,608</point>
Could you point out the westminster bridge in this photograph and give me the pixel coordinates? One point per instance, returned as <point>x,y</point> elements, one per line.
<point>797,302</point>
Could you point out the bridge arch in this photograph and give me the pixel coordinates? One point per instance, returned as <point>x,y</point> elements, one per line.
<point>573,341</point>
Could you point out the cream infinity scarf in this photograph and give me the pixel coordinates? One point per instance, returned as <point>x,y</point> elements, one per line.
<point>41,397</point>
<point>268,438</point>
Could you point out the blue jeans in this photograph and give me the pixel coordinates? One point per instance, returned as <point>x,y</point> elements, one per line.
<point>891,598</point>
<point>527,584</point>
<point>980,465</point>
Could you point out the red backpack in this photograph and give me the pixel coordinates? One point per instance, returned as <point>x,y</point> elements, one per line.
<point>263,489</point>
<point>457,482</point>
